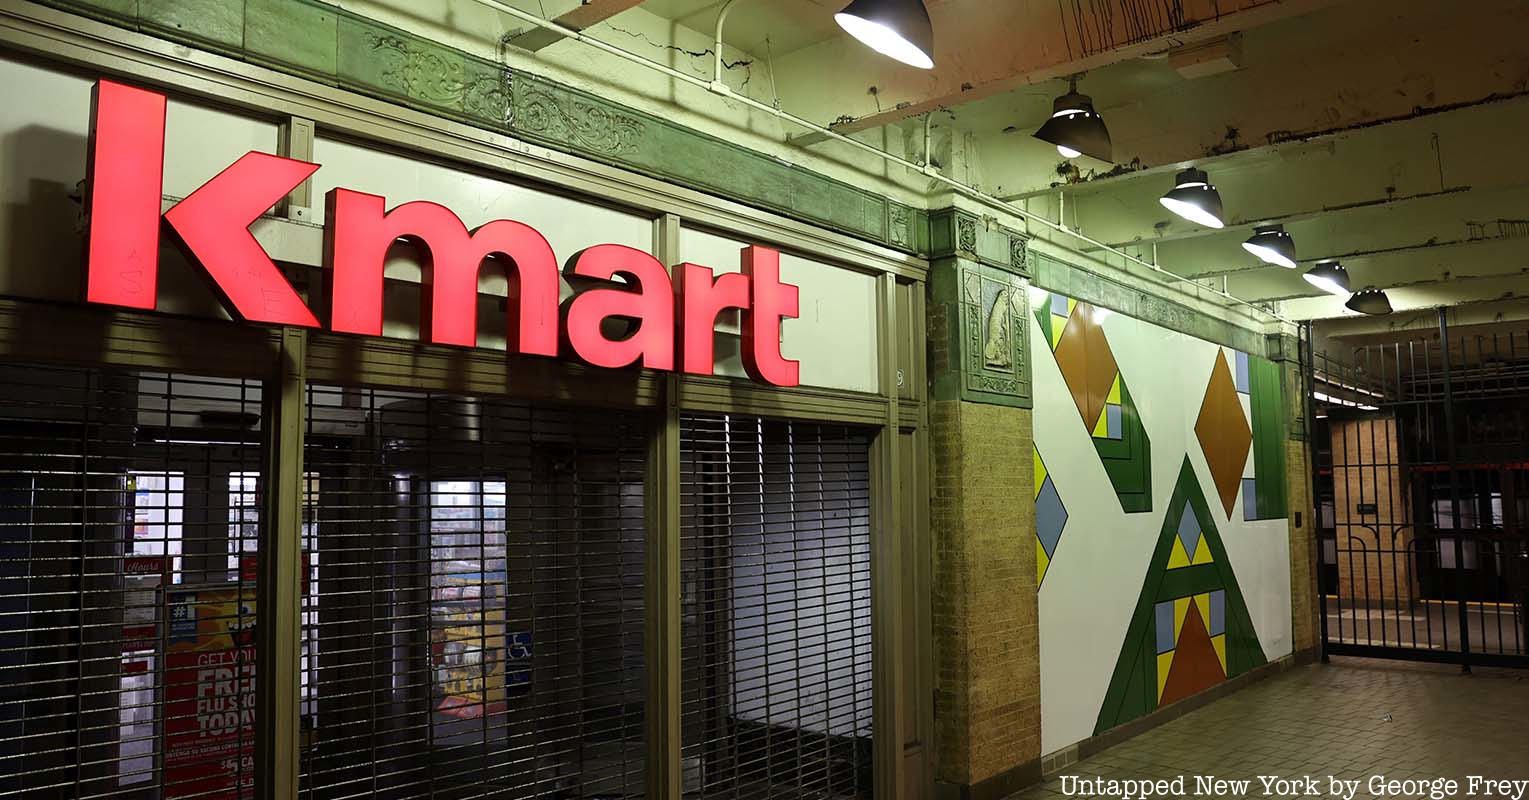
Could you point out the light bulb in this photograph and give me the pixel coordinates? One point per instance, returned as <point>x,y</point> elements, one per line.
<point>884,40</point>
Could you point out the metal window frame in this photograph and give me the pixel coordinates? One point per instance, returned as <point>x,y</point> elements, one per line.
<point>287,359</point>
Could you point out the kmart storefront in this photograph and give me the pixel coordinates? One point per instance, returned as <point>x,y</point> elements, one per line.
<point>263,535</point>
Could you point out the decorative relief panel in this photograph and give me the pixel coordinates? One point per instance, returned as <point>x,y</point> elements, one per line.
<point>1019,248</point>
<point>966,235</point>
<point>571,119</point>
<point>899,225</point>
<point>422,72</point>
<point>994,337</point>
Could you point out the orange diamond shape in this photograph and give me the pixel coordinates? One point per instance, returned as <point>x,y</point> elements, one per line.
<point>1087,364</point>
<point>1223,432</point>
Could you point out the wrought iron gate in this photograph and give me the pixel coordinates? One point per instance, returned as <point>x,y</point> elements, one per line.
<point>1420,453</point>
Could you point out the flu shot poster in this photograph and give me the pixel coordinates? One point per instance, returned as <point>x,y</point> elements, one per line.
<point>210,693</point>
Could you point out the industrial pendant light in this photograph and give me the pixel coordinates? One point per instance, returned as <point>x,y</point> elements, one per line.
<point>1370,300</point>
<point>1329,276</point>
<point>1076,128</point>
<point>899,29</point>
<point>1194,199</point>
<point>1272,246</point>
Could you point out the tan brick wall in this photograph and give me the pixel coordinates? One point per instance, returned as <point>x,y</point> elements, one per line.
<point>1373,549</point>
<point>986,633</point>
<point>1304,608</point>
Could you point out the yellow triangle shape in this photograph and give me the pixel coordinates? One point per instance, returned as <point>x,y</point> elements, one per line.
<point>1114,395</point>
<point>1178,558</point>
<point>1071,304</point>
<point>1164,663</point>
<point>1202,556</point>
<point>1180,611</point>
<point>1102,427</point>
<point>1041,563</point>
<point>1203,601</point>
<point>1058,324</point>
<point>1218,642</point>
<point>1040,472</point>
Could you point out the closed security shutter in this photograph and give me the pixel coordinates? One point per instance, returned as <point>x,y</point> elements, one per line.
<point>127,610</point>
<point>776,572</point>
<point>475,622</point>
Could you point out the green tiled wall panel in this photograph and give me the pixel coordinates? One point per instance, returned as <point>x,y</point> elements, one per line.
<point>1059,276</point>
<point>1267,396</point>
<point>295,36</point>
<point>215,24</point>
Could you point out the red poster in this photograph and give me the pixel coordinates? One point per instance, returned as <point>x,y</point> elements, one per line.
<point>249,568</point>
<point>210,694</point>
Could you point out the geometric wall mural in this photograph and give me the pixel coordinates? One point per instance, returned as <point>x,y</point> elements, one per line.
<point>1050,519</point>
<point>1189,547</point>
<point>1076,339</point>
<point>1224,434</point>
<point>1263,495</point>
<point>1241,413</point>
<point>1191,645</point>
<point>1190,629</point>
<point>1150,606</point>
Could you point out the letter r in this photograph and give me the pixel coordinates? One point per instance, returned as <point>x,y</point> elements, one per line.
<point>700,298</point>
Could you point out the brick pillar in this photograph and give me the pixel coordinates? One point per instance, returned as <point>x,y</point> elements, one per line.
<point>1303,525</point>
<point>986,631</point>
<point>1305,627</point>
<point>982,513</point>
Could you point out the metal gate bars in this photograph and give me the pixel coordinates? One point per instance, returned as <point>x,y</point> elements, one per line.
<point>1420,454</point>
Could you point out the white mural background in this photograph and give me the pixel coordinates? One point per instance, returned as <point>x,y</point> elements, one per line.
<point>1095,577</point>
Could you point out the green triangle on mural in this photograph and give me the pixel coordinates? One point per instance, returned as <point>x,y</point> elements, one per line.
<point>1189,566</point>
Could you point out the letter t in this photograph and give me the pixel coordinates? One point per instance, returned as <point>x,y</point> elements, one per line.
<point>773,302</point>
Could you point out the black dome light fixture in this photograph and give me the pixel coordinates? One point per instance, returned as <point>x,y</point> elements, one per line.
<point>1195,199</point>
<point>1076,128</point>
<point>1329,276</point>
<point>1369,300</point>
<point>1272,245</point>
<point>898,29</point>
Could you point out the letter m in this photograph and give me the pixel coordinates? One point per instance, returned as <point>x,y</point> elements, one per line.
<point>356,240</point>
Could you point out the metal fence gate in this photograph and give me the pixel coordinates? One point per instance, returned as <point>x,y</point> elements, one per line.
<point>1420,446</point>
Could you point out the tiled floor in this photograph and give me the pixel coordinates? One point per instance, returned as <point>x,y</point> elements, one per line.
<point>1352,719</point>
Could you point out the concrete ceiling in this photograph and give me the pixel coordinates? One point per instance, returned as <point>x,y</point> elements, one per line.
<point>1388,133</point>
<point>766,28</point>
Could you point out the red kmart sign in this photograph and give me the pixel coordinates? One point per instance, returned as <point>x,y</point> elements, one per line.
<point>675,318</point>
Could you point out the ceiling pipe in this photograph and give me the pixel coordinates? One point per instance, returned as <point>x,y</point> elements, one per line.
<point>716,82</point>
<point>970,191</point>
<point>928,141</point>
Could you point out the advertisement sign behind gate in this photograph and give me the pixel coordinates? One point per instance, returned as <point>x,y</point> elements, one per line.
<point>210,694</point>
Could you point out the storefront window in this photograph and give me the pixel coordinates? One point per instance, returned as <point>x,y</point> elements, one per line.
<point>482,583</point>
<point>775,543</point>
<point>153,553</point>
<point>467,609</point>
<point>244,553</point>
<point>158,509</point>
<point>135,655</point>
